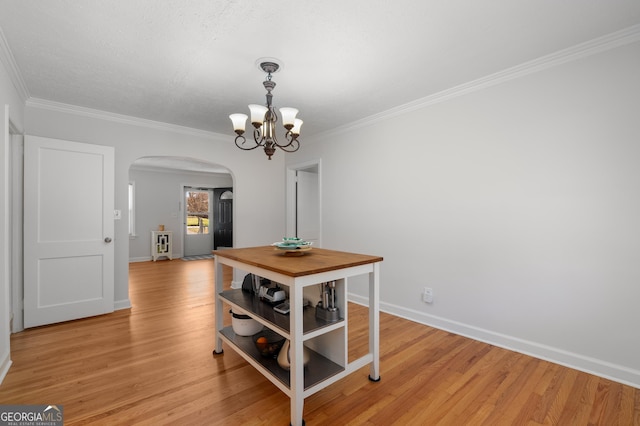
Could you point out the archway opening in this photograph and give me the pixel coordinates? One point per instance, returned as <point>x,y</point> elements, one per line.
<point>157,188</point>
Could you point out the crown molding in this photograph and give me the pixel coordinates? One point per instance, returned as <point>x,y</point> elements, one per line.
<point>9,62</point>
<point>121,118</point>
<point>601,44</point>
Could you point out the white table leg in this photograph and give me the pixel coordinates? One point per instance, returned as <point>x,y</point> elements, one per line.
<point>218,314</point>
<point>374,322</point>
<point>296,355</point>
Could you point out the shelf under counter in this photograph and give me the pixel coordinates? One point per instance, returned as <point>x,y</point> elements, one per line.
<point>311,325</point>
<point>316,370</point>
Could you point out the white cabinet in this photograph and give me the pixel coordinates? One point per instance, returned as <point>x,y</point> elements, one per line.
<point>161,244</point>
<point>326,341</point>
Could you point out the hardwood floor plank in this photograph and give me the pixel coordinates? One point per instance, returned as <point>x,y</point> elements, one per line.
<point>548,389</point>
<point>626,407</point>
<point>563,397</point>
<point>468,387</point>
<point>153,365</point>
<point>636,410</point>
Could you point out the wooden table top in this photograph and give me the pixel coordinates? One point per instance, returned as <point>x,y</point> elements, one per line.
<point>313,261</point>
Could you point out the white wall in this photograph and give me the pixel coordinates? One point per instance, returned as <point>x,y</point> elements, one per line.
<point>519,204</point>
<point>160,200</point>
<point>254,177</point>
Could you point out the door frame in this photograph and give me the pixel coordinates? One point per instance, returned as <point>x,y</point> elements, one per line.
<point>16,167</point>
<point>291,199</point>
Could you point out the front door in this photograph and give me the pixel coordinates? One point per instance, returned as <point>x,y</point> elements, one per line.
<point>223,228</point>
<point>198,236</point>
<point>68,230</point>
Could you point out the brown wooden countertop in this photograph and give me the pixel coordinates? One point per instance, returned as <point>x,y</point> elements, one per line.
<point>313,261</point>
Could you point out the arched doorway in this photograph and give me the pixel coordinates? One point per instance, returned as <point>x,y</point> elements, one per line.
<point>157,198</point>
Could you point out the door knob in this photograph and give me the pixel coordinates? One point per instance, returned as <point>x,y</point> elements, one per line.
<point>107,240</point>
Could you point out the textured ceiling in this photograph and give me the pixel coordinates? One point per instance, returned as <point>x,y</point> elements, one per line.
<point>192,63</point>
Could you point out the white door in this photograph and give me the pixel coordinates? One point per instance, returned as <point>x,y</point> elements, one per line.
<point>68,230</point>
<point>198,235</point>
<point>308,206</point>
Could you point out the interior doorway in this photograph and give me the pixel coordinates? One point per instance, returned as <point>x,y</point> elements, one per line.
<point>304,201</point>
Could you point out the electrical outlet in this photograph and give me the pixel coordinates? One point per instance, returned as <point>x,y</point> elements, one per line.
<point>427,295</point>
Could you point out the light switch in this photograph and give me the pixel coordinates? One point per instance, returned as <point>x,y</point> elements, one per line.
<point>117,214</point>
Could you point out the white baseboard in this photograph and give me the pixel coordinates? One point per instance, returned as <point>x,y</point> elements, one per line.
<point>121,304</point>
<point>576,361</point>
<point>4,366</point>
<point>149,258</point>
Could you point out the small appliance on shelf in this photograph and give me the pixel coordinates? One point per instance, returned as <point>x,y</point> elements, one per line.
<point>326,308</point>
<point>272,294</point>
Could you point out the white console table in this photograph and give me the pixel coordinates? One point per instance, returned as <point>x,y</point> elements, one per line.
<point>327,342</point>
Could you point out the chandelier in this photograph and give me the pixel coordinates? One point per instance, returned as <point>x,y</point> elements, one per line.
<point>264,121</point>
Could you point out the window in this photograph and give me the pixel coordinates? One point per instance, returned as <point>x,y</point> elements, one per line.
<point>197,202</point>
<point>132,216</point>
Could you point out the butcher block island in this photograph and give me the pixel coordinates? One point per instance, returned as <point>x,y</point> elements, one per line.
<point>317,333</point>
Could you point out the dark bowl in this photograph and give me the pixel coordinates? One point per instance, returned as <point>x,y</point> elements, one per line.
<point>268,343</point>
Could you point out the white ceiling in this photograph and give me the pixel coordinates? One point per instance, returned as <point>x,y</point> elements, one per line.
<point>192,63</point>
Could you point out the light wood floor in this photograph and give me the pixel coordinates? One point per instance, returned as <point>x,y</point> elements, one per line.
<point>153,365</point>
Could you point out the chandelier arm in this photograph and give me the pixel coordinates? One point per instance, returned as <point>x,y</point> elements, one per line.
<point>258,138</point>
<point>291,139</point>
<point>292,146</point>
<point>242,140</point>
